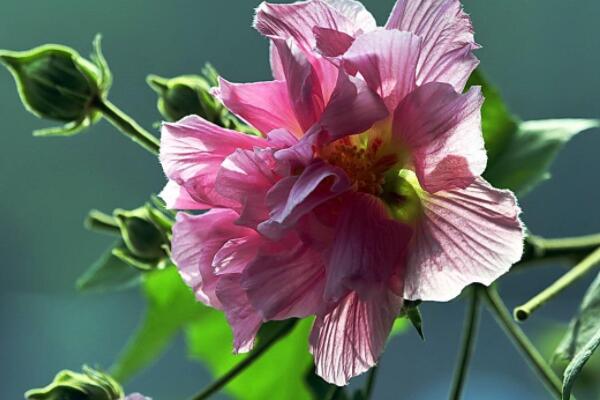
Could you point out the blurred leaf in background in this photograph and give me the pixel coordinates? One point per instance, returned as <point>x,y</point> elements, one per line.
<point>520,153</point>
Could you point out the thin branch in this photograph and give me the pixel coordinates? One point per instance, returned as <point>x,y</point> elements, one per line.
<point>128,126</point>
<point>371,382</point>
<point>468,344</point>
<point>217,385</point>
<point>523,312</point>
<point>522,342</point>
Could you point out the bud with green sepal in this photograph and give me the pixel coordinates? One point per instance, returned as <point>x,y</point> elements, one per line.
<point>185,95</point>
<point>191,95</point>
<point>55,82</point>
<point>146,234</point>
<point>69,385</point>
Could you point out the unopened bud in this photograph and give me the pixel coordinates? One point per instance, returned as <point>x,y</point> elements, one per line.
<point>69,385</point>
<point>144,237</point>
<point>185,95</point>
<point>55,82</point>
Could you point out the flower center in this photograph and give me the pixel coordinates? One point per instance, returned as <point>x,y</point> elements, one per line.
<point>361,162</point>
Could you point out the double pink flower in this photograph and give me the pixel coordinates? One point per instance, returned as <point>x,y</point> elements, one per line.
<point>363,190</point>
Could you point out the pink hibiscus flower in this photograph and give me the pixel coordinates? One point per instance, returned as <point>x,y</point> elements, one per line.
<point>364,189</point>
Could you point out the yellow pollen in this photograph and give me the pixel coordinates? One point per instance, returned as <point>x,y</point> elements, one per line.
<point>365,168</point>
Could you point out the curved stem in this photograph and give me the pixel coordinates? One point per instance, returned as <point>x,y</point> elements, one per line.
<point>371,382</point>
<point>538,248</point>
<point>128,126</point>
<point>468,344</point>
<point>523,312</point>
<point>522,342</point>
<point>217,385</point>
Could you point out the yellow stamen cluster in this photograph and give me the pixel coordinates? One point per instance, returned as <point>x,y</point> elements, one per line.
<point>362,164</point>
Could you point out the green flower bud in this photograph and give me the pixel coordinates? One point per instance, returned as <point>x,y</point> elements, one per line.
<point>69,385</point>
<point>185,95</point>
<point>142,234</point>
<point>55,82</point>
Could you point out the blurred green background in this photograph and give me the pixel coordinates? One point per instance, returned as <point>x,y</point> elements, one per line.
<point>543,54</point>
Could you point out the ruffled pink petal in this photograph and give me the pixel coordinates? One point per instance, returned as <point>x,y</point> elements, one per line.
<point>295,196</point>
<point>275,62</point>
<point>465,236</point>
<point>236,254</point>
<point>286,284</point>
<point>177,198</point>
<point>349,340</point>
<point>296,21</point>
<point>356,12</point>
<point>387,60</point>
<point>192,151</point>
<point>332,43</point>
<point>264,105</point>
<point>303,84</point>
<point>443,130</point>
<point>447,33</point>
<point>368,249</point>
<point>197,239</point>
<point>242,317</point>
<point>245,178</point>
<point>353,108</point>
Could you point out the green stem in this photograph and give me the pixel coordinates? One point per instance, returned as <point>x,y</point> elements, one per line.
<point>333,392</point>
<point>522,342</point>
<point>468,344</point>
<point>217,385</point>
<point>523,312</point>
<point>371,382</point>
<point>540,249</point>
<point>128,126</point>
<point>99,221</point>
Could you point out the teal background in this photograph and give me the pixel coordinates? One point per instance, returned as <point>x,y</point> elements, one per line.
<point>543,54</point>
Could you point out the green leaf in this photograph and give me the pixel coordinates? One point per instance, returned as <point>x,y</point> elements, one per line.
<point>524,163</point>
<point>109,273</point>
<point>583,327</point>
<point>277,374</point>
<point>497,123</point>
<point>581,338</point>
<point>520,153</point>
<point>576,365</point>
<point>414,316</point>
<point>400,326</point>
<point>171,306</point>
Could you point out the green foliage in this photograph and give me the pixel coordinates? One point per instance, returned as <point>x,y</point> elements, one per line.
<point>191,95</point>
<point>69,385</point>
<point>525,162</point>
<point>497,123</point>
<point>582,337</point>
<point>144,237</point>
<point>577,363</point>
<point>56,83</point>
<point>412,314</point>
<point>521,153</point>
<point>109,273</point>
<point>278,374</point>
<point>171,307</point>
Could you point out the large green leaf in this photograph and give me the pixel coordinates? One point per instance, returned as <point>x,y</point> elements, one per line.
<point>277,374</point>
<point>497,123</point>
<point>581,338</point>
<point>171,306</point>
<point>520,153</point>
<point>109,273</point>
<point>524,163</point>
<point>576,365</point>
